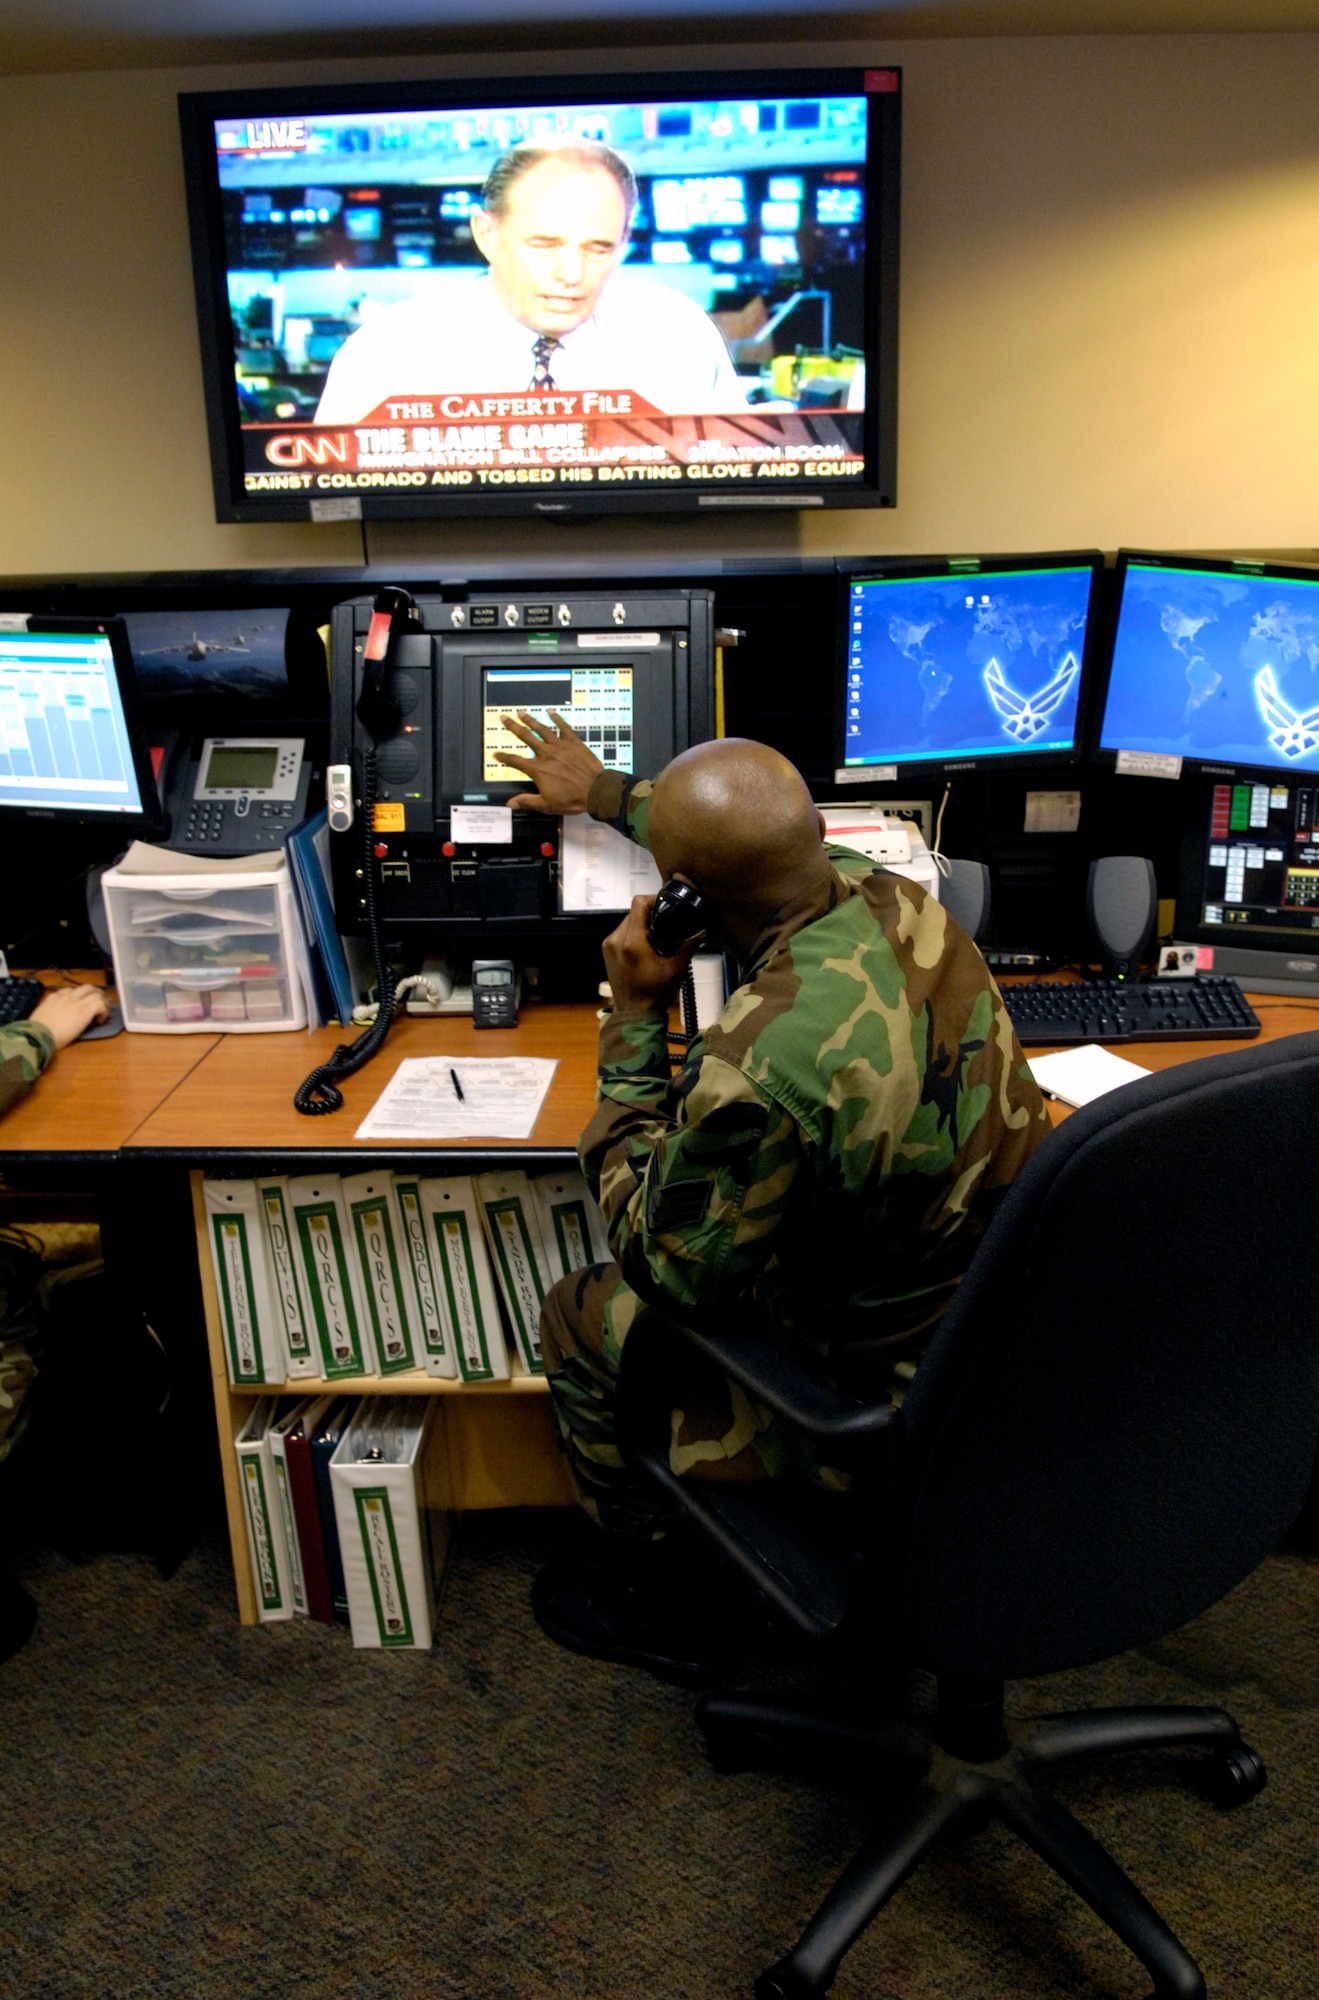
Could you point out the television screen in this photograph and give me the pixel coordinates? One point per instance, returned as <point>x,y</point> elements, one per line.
<point>958,664</point>
<point>1214,663</point>
<point>662,293</point>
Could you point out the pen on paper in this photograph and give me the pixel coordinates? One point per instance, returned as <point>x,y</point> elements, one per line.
<point>457,1087</point>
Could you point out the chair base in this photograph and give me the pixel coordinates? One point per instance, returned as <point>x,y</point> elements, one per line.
<point>977,1768</point>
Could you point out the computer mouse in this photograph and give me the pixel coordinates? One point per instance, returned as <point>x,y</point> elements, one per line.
<point>101,1031</point>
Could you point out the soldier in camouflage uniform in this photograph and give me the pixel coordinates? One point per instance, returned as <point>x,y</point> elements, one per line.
<point>827,1157</point>
<point>26,1047</point>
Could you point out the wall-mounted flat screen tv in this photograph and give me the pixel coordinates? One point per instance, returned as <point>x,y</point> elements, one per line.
<point>586,295</point>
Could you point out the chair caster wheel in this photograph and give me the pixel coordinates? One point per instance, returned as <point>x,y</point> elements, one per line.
<point>1238,1775</point>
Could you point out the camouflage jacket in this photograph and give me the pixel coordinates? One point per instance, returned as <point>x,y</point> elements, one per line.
<point>831,1151</point>
<point>25,1049</point>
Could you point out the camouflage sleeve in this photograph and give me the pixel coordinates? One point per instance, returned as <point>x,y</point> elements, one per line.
<point>25,1049</point>
<point>622,802</point>
<point>694,1176</point>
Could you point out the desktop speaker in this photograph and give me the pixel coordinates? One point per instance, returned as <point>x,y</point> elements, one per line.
<point>1121,907</point>
<point>964,893</point>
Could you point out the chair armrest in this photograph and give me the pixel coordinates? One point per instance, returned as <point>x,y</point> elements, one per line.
<point>774,1378</point>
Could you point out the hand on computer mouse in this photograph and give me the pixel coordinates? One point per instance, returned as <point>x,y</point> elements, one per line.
<point>67,1010</point>
<point>560,765</point>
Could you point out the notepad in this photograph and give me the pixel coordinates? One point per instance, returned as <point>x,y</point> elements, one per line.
<point>1080,1075</point>
<point>460,1097</point>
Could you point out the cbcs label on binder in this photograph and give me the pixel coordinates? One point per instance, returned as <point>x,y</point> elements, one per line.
<point>414,1243</point>
<point>380,1547</point>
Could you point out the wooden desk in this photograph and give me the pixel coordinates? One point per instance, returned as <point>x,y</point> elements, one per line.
<point>1278,1017</point>
<point>94,1096</point>
<point>239,1100</point>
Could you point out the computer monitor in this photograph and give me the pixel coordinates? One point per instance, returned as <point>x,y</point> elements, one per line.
<point>1214,667</point>
<point>70,747</point>
<point>1249,881</point>
<point>958,664</point>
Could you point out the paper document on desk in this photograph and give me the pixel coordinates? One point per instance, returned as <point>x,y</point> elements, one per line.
<point>600,869</point>
<point>496,1097</point>
<point>1080,1075</point>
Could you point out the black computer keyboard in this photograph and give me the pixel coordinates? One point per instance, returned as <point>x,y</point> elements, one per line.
<point>1106,1010</point>
<point>17,999</point>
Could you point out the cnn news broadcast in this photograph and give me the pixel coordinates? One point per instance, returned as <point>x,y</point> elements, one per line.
<point>609,295</point>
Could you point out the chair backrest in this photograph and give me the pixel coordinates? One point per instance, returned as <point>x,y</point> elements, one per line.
<point>1118,1418</point>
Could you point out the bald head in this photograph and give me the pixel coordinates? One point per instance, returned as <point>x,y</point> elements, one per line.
<point>736,819</point>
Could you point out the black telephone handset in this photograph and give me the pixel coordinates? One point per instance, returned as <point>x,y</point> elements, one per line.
<point>677,915</point>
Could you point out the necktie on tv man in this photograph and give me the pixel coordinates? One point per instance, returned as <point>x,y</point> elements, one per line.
<point>541,353</point>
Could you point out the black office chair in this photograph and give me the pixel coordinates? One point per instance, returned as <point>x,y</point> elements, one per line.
<point>1114,1425</point>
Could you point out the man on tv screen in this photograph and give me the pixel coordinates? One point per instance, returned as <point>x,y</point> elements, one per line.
<point>553,312</point>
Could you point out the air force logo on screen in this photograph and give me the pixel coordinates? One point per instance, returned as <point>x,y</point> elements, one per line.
<point>1023,716</point>
<point>1292,733</point>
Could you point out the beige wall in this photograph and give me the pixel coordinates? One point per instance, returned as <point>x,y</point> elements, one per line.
<point>1110,315</point>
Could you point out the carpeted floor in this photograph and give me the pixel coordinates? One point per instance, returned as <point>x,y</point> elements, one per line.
<point>193,1810</point>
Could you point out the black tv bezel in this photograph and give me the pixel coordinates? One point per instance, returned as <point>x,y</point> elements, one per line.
<point>1209,768</point>
<point>878,488</point>
<point>147,824</point>
<point>850,777</point>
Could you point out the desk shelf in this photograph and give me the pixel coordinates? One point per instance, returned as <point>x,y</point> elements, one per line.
<point>489,1444</point>
<point>411,1382</point>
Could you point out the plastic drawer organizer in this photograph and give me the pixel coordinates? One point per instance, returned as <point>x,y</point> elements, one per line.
<point>196,954</point>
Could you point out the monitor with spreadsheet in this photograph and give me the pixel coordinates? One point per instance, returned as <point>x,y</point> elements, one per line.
<point>963,663</point>
<point>1215,667</point>
<point>70,748</point>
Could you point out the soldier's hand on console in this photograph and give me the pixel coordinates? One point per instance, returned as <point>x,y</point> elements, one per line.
<point>641,980</point>
<point>560,766</point>
<point>67,1010</point>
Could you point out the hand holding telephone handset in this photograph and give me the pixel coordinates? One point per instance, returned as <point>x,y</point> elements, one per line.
<point>378,712</point>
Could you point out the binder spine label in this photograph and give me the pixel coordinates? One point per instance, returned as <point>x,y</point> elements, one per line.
<point>296,1589</point>
<point>414,1232</point>
<point>384,1292</point>
<point>331,1293</point>
<point>285,1274</point>
<point>572,1234</point>
<point>380,1547</point>
<point>463,1296</point>
<point>521,1279</point>
<point>233,1266</point>
<point>263,1549</point>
